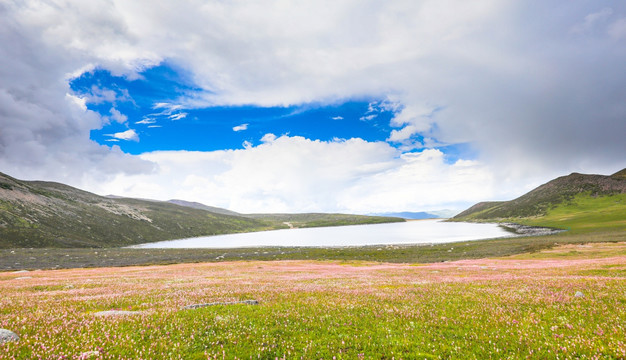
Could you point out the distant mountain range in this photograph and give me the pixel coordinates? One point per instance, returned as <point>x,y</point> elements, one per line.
<point>575,199</point>
<point>420,215</point>
<point>48,214</point>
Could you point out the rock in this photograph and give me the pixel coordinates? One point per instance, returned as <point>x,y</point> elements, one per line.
<point>7,336</point>
<point>579,294</point>
<point>116,313</point>
<point>197,306</point>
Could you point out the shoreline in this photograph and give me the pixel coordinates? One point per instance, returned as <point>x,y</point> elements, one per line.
<point>528,230</point>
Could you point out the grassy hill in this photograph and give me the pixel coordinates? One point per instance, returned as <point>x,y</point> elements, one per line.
<point>306,220</point>
<point>45,214</point>
<point>576,202</point>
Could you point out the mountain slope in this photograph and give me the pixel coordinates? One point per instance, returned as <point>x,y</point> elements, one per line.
<point>576,200</point>
<point>47,214</point>
<point>197,205</point>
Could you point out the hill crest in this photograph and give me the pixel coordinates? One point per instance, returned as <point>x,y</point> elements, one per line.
<point>538,201</point>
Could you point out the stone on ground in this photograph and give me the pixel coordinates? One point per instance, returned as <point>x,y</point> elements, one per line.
<point>7,336</point>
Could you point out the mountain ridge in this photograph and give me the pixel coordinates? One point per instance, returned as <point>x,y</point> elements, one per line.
<point>539,201</point>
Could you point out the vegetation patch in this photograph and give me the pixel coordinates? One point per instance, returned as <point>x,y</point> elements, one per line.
<point>309,309</point>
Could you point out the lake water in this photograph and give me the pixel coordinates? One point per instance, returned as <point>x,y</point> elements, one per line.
<point>410,232</point>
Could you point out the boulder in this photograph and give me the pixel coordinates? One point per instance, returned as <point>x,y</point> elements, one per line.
<point>7,336</point>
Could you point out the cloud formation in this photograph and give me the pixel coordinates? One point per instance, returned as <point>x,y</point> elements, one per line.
<point>286,174</point>
<point>535,87</point>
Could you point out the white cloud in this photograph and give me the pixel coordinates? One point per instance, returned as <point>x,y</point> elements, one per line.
<point>118,116</point>
<point>129,134</point>
<point>178,116</point>
<point>241,127</point>
<point>337,118</point>
<point>510,77</point>
<point>403,134</point>
<point>368,117</point>
<point>268,138</point>
<point>146,121</point>
<point>290,174</point>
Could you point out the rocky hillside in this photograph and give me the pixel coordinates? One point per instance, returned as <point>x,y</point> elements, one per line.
<point>46,214</point>
<point>547,196</point>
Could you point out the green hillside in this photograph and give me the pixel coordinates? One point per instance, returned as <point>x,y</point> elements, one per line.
<point>321,219</point>
<point>44,214</point>
<point>576,202</point>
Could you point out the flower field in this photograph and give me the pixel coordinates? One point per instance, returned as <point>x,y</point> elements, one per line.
<point>488,308</point>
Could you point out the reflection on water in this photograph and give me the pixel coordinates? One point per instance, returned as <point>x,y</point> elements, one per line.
<point>411,232</point>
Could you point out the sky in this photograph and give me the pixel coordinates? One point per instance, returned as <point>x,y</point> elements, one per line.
<point>301,106</point>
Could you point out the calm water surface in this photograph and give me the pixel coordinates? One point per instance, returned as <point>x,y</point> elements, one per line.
<point>410,232</point>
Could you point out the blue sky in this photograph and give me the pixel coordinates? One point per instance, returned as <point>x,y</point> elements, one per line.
<point>399,105</point>
<point>150,106</point>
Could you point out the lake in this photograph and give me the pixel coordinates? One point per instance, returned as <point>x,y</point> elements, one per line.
<point>410,232</point>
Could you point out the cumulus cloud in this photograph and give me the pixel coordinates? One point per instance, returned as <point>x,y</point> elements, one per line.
<point>44,133</point>
<point>241,127</point>
<point>291,173</point>
<point>516,79</point>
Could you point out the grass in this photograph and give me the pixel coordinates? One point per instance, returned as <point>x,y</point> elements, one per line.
<point>585,214</point>
<point>473,309</point>
<point>382,302</point>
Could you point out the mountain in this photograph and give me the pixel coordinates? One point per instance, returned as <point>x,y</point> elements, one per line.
<point>48,214</point>
<point>300,220</point>
<point>567,200</point>
<point>419,215</point>
<point>197,205</point>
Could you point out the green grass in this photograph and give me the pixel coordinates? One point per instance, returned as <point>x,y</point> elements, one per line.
<point>320,310</point>
<point>585,214</point>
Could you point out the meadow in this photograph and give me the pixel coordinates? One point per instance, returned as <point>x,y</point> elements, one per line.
<point>523,306</point>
